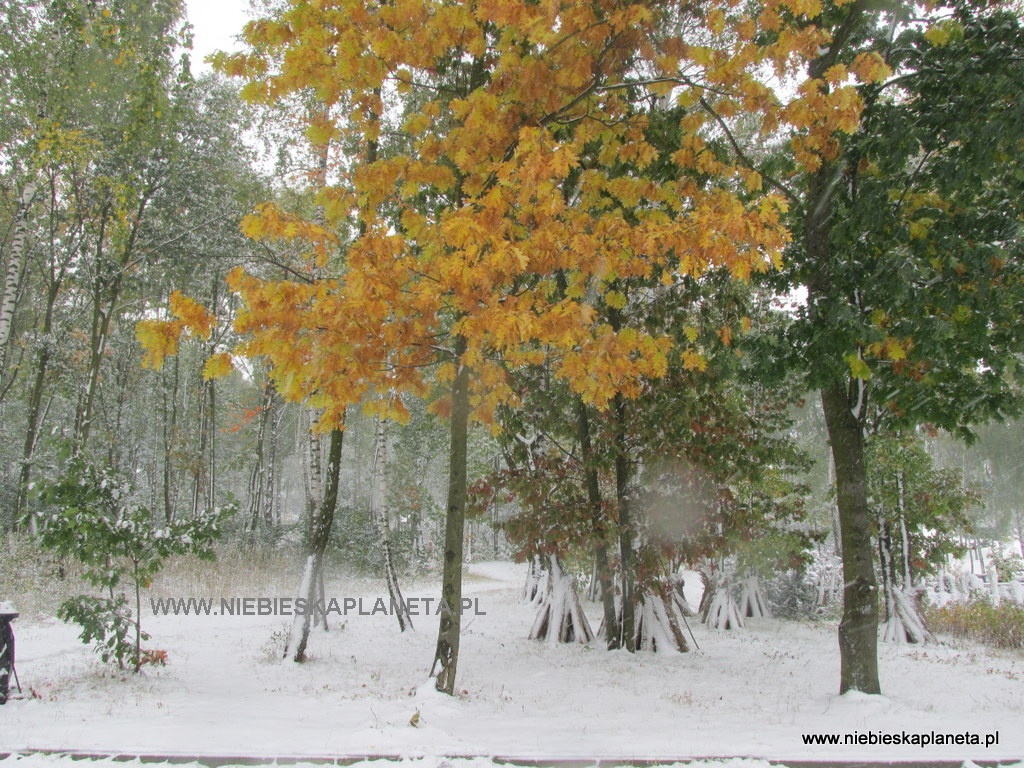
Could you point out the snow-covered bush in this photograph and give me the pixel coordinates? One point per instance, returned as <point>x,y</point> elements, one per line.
<point>91,515</point>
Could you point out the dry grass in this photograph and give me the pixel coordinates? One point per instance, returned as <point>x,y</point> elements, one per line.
<point>37,581</point>
<point>235,571</point>
<point>979,620</point>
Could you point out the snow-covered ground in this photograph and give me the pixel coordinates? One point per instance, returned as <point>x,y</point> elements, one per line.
<point>750,694</point>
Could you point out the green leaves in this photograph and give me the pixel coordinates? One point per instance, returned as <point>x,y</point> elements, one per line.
<point>105,622</point>
<point>922,287</point>
<point>933,503</point>
<point>95,518</point>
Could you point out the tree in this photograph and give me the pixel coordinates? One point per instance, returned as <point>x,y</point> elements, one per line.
<point>1002,474</point>
<point>920,512</point>
<point>379,513</point>
<point>546,482</point>
<point>135,165</point>
<point>908,176</point>
<point>95,519</point>
<point>500,180</point>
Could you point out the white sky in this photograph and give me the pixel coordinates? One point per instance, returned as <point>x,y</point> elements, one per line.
<point>215,24</point>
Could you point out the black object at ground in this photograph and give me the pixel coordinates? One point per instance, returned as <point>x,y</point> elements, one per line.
<point>7,670</point>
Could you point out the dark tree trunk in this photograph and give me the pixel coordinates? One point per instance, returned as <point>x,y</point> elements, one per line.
<point>446,656</point>
<point>858,630</point>
<point>170,427</point>
<point>628,628</point>
<point>106,289</point>
<point>598,528</point>
<point>844,401</point>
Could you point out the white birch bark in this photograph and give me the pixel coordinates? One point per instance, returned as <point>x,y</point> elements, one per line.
<point>379,512</point>
<point>15,264</point>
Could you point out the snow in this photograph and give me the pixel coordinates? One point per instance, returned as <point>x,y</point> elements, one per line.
<point>749,694</point>
<point>51,761</point>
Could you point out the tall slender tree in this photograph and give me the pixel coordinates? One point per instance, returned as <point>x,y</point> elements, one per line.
<point>906,230</point>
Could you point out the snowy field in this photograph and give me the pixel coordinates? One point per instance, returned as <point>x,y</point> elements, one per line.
<point>749,695</point>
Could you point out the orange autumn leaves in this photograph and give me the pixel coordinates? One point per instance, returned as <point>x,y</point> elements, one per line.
<point>159,338</point>
<point>513,206</point>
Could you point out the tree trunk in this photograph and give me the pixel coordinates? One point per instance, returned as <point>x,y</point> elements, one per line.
<point>379,513</point>
<point>204,475</point>
<point>313,464</point>
<point>319,535</point>
<point>1019,519</point>
<point>201,487</point>
<point>35,406</point>
<point>628,628</point>
<point>662,616</point>
<point>107,285</point>
<point>271,505</point>
<point>534,588</point>
<point>598,528</point>
<point>261,477</point>
<point>560,618</point>
<point>858,630</point>
<point>446,655</point>
<point>908,574</point>
<point>170,425</point>
<point>211,393</point>
<point>99,328</point>
<point>14,269</point>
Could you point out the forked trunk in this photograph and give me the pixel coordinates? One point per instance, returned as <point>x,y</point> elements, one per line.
<point>310,589</point>
<point>379,511</point>
<point>36,409</point>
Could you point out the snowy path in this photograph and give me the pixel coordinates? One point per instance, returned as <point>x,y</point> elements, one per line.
<point>751,695</point>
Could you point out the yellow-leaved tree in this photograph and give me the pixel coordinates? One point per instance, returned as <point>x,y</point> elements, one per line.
<point>493,194</point>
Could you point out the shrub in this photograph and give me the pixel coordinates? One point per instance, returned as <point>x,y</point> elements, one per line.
<point>979,620</point>
<point>93,517</point>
